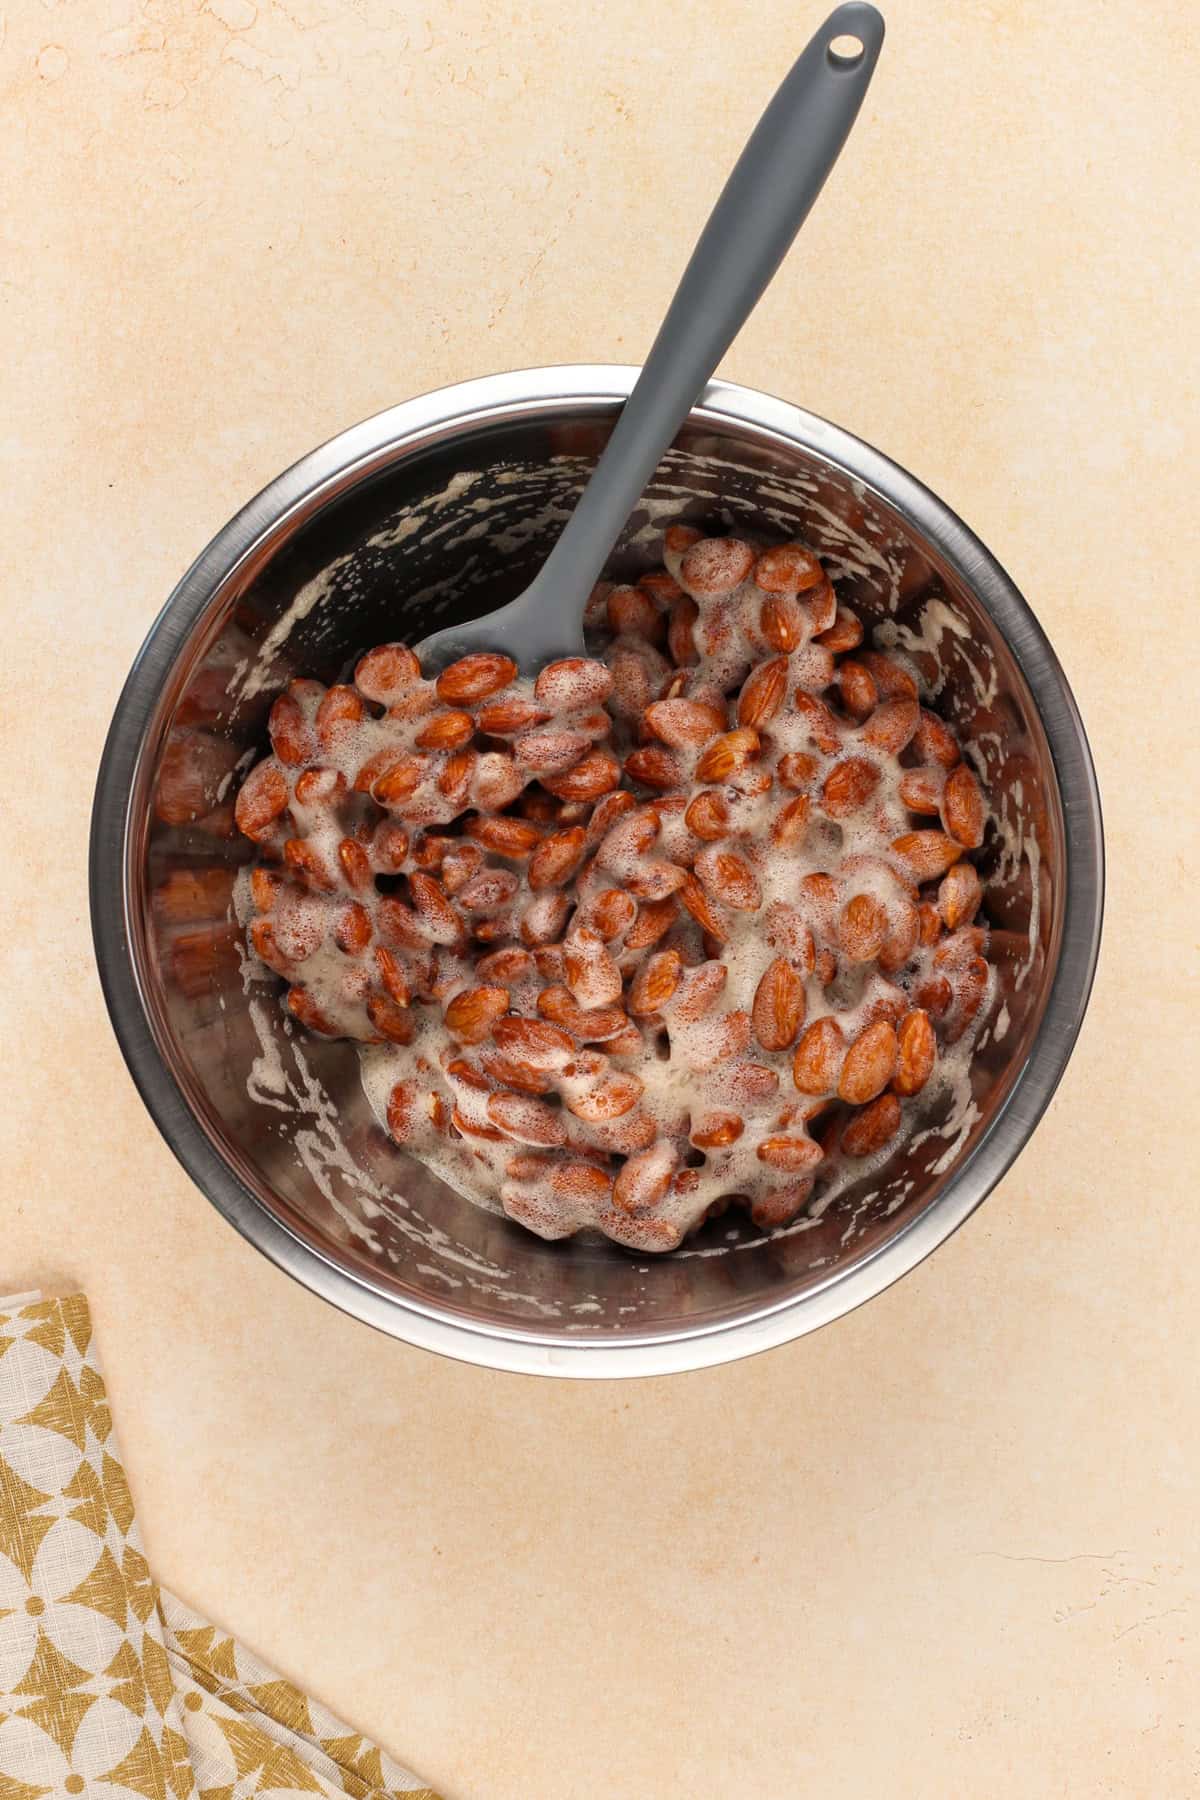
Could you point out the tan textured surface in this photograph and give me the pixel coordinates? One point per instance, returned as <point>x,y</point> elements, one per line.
<point>949,1545</point>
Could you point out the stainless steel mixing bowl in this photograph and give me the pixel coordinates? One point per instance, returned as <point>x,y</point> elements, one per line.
<point>435,509</point>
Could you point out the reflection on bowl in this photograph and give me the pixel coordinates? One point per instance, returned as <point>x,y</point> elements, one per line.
<point>439,509</point>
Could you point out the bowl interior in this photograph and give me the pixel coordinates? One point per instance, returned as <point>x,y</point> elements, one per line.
<point>448,528</point>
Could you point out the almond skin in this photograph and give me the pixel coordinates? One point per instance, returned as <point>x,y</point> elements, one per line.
<point>475,677</point>
<point>471,1015</point>
<point>778,1010</point>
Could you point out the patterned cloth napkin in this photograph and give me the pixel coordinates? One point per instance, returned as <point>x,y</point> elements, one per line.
<point>109,1686</point>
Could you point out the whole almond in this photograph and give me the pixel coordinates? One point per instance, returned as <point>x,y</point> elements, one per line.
<point>643,1181</point>
<point>892,680</point>
<point>544,918</point>
<point>904,926</point>
<point>606,812</point>
<point>292,738</point>
<point>352,931</point>
<point>684,723</point>
<point>581,1182</point>
<point>511,1072</point>
<point>506,966</point>
<point>821,725</point>
<point>439,921</point>
<point>716,565</point>
<point>921,790</point>
<point>707,816</point>
<point>654,919</point>
<point>925,855</point>
<point>700,905</point>
<point>529,1120</point>
<point>679,538</point>
<point>393,1023</point>
<point>459,1069</point>
<point>611,913</point>
<point>557,858</point>
<point>699,991</point>
<point>610,1098</point>
<point>746,1083</point>
<point>654,880</point>
<point>655,983</point>
<point>514,838</point>
<point>457,772</point>
<point>717,1130</point>
<point>869,1130</point>
<point>779,1003</point>
<point>471,1014</point>
<point>870,1063</point>
<point>650,765</point>
<point>820,603</point>
<point>591,974</point>
<point>319,788</point>
<point>591,1025</point>
<point>860,696</point>
<point>496,781</point>
<point>632,613</point>
<point>661,587</point>
<point>963,810</point>
<point>797,770</point>
<point>782,622</point>
<point>541,1045</point>
<point>446,731</point>
<point>848,786</point>
<point>595,774</point>
<point>846,632</point>
<point>959,895</point>
<point>504,718</point>
<point>930,922</point>
<point>728,879</point>
<point>788,569</point>
<point>732,750</point>
<point>396,778</point>
<point>862,928</point>
<point>355,864</point>
<point>791,822</point>
<point>549,752</point>
<point>387,672</point>
<point>762,692</point>
<point>303,1006</point>
<point>818,1059</point>
<point>935,742</point>
<point>460,864</point>
<point>792,1155</point>
<point>972,986</point>
<point>389,847</point>
<point>306,862</point>
<point>892,725</point>
<point>916,1053</point>
<point>573,681</point>
<point>782,1204</point>
<point>468,1126</point>
<point>935,995</point>
<point>475,677</point>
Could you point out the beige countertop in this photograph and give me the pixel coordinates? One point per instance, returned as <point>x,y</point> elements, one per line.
<point>949,1545</point>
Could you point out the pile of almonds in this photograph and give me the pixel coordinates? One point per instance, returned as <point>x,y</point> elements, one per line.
<point>681,926</point>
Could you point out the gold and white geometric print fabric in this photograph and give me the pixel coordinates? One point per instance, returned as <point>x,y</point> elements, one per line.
<point>109,1686</point>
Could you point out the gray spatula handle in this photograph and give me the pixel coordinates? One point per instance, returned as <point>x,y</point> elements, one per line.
<point>763,205</point>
